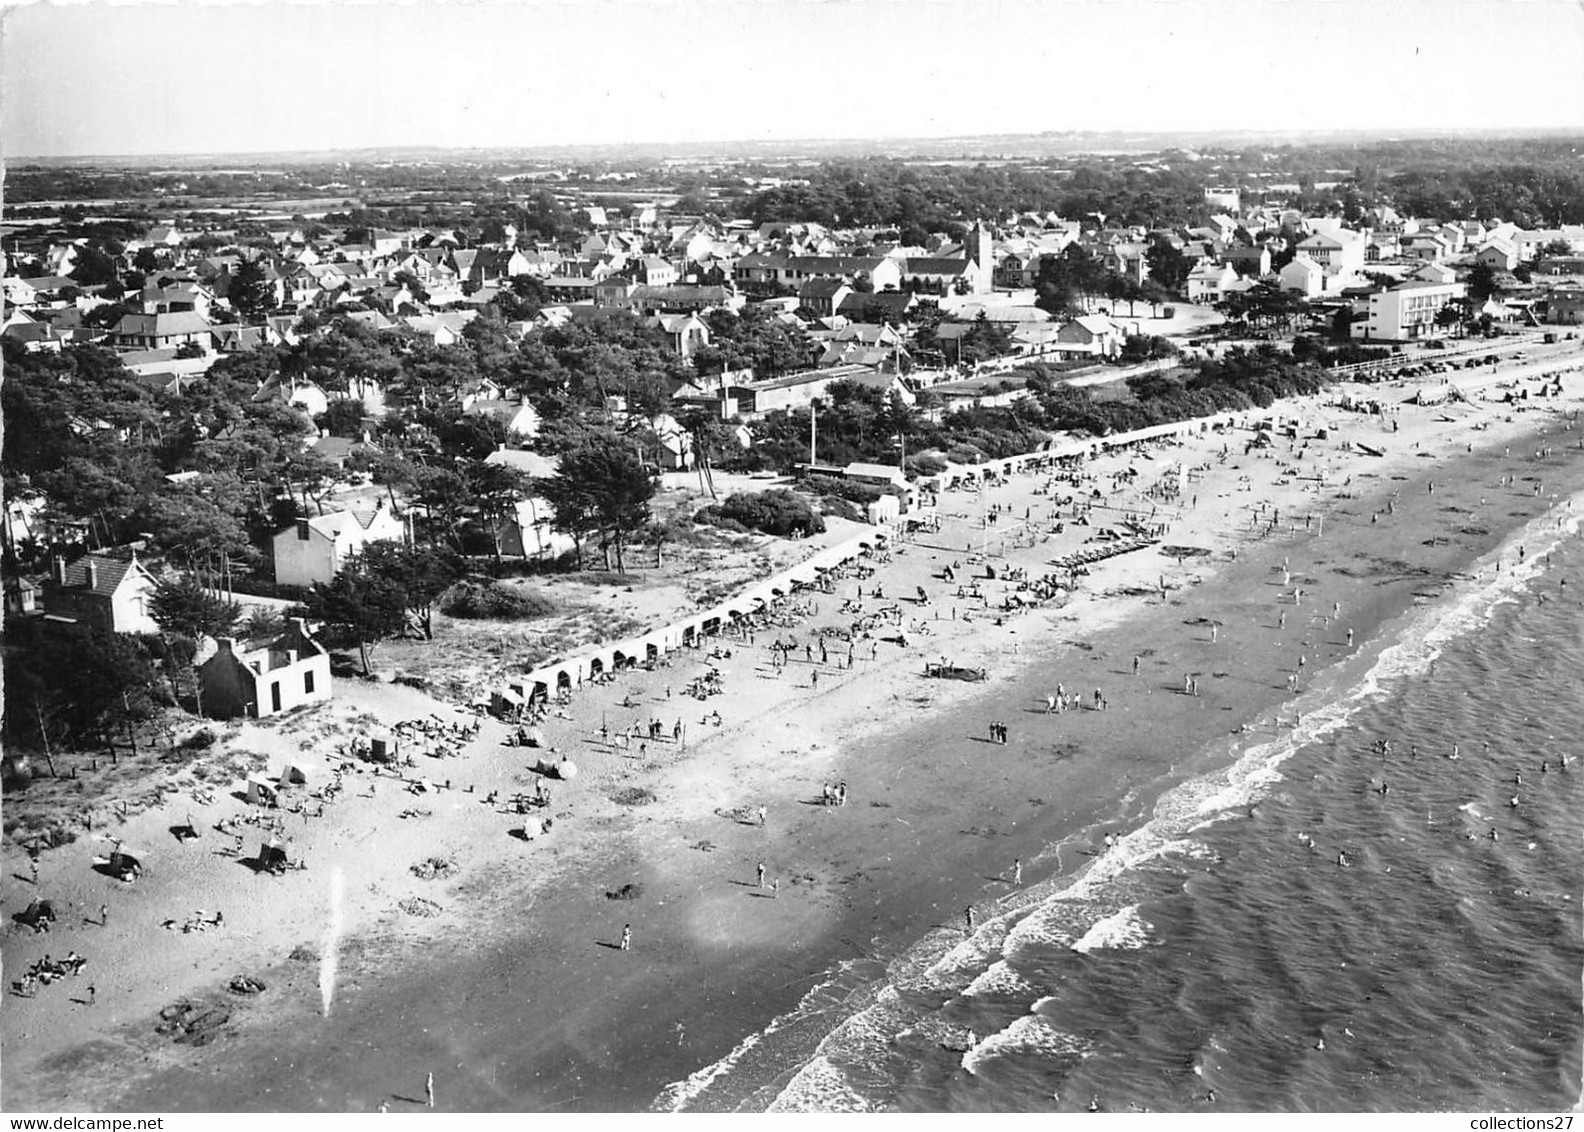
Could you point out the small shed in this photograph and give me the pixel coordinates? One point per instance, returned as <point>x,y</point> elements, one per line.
<point>260,791</point>
<point>886,509</point>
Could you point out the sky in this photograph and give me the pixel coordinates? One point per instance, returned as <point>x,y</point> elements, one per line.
<point>79,79</point>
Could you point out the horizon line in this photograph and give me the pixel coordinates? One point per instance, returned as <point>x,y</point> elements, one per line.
<point>1382,133</point>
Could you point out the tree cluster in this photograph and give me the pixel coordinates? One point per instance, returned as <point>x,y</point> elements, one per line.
<point>776,512</point>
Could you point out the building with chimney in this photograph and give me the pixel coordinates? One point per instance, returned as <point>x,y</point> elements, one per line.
<point>101,592</point>
<point>314,550</point>
<point>267,676</point>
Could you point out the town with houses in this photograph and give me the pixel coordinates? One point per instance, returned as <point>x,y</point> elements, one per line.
<point>404,487</point>
<point>947,323</point>
<point>364,347</point>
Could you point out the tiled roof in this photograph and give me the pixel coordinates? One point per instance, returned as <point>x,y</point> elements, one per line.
<point>935,265</point>
<point>108,573</point>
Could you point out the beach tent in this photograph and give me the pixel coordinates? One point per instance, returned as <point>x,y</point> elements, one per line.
<point>504,701</point>
<point>292,773</point>
<point>260,790</point>
<point>566,769</point>
<point>382,748</point>
<point>125,862</point>
<point>272,855</point>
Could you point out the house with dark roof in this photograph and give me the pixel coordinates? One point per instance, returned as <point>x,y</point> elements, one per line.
<point>878,271</point>
<point>162,331</point>
<point>685,332</point>
<point>101,592</point>
<point>1245,260</point>
<point>338,449</point>
<point>887,306</point>
<point>758,269</point>
<point>946,275</point>
<point>35,337</point>
<point>681,298</point>
<point>823,296</point>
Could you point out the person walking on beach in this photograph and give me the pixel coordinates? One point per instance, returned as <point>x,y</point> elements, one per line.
<point>104,915</point>
<point>761,816</point>
<point>1050,704</point>
<point>1017,871</point>
<point>1135,666</point>
<point>429,1089</point>
<point>761,874</point>
<point>626,940</point>
<point>968,916</point>
<point>93,994</point>
<point>841,792</point>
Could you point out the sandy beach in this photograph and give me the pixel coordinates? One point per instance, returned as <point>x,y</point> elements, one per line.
<point>504,975</point>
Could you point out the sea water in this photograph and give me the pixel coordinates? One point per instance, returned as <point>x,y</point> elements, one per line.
<point>1323,925</point>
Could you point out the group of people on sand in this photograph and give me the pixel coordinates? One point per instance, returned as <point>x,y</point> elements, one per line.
<point>47,970</point>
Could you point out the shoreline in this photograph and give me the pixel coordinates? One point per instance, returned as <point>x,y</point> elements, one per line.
<point>904,854</point>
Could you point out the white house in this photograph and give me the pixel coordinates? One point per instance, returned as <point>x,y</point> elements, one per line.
<point>1303,275</point>
<point>313,550</point>
<point>519,417</point>
<point>1499,254</point>
<point>1207,281</point>
<point>1339,249</point>
<point>686,332</point>
<point>528,532</point>
<point>265,677</point>
<point>1090,334</point>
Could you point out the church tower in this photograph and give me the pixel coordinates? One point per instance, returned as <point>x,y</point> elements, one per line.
<point>979,250</point>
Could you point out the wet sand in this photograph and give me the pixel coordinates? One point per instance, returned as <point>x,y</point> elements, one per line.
<point>517,998</point>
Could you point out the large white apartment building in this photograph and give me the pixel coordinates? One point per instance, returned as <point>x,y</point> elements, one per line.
<point>1409,309</point>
